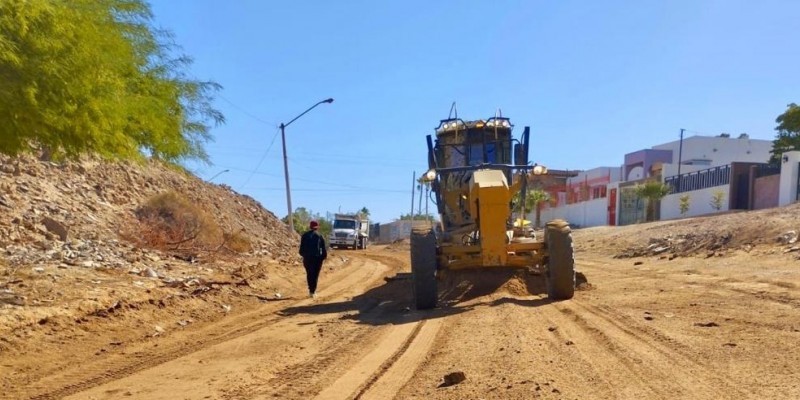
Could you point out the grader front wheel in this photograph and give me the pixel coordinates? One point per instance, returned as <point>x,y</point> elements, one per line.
<point>561,264</point>
<point>423,269</point>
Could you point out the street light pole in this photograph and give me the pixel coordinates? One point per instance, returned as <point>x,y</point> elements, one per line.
<point>286,163</point>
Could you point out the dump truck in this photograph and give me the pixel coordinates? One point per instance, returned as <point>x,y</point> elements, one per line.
<point>349,231</point>
<point>475,170</point>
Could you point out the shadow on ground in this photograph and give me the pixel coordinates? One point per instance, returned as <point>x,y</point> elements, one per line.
<point>462,291</point>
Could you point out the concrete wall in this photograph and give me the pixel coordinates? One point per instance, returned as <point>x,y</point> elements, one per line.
<point>719,150</point>
<point>766,191</point>
<point>789,173</point>
<point>400,229</point>
<point>584,214</point>
<point>699,203</point>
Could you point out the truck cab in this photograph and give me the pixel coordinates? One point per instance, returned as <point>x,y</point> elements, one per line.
<point>349,231</point>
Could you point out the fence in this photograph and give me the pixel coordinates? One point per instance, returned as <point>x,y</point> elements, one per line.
<point>702,179</point>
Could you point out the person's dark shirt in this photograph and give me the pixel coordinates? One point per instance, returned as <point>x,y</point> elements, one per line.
<point>312,245</point>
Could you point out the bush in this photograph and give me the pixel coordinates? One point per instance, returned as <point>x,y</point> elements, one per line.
<point>237,242</point>
<point>169,221</point>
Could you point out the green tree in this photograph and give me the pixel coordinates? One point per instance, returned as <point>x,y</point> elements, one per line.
<point>301,217</point>
<point>364,211</point>
<point>417,217</point>
<point>95,76</point>
<point>533,201</point>
<point>652,191</point>
<point>788,138</point>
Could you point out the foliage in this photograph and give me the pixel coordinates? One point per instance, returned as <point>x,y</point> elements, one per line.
<point>684,204</point>
<point>95,76</point>
<point>301,217</point>
<point>417,217</point>
<point>532,201</point>
<point>652,191</point>
<point>788,138</point>
<point>364,211</point>
<point>716,200</point>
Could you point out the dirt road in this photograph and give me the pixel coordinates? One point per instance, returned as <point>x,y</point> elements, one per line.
<point>694,328</point>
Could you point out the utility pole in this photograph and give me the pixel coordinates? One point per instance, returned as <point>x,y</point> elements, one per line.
<point>680,155</point>
<point>427,197</point>
<point>286,163</point>
<point>419,209</point>
<point>413,190</point>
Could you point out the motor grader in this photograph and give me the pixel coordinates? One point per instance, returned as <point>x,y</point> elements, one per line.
<point>475,170</point>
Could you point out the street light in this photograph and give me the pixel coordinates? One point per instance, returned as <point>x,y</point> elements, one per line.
<point>218,174</point>
<point>286,164</point>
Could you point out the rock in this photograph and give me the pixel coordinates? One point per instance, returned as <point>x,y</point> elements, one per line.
<point>226,308</point>
<point>453,378</point>
<point>38,269</point>
<point>9,297</point>
<point>638,263</point>
<point>278,296</point>
<point>87,264</point>
<point>56,228</point>
<point>159,329</point>
<point>149,273</point>
<point>789,237</point>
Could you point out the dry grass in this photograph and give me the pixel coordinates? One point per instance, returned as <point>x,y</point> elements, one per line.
<point>171,222</point>
<point>237,242</point>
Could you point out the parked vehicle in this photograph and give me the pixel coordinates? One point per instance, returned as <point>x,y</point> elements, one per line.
<point>349,231</point>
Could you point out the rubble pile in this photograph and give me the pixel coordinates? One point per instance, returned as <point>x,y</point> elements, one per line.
<point>705,244</point>
<point>681,245</point>
<point>64,219</point>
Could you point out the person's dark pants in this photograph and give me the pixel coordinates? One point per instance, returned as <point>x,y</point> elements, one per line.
<point>313,265</point>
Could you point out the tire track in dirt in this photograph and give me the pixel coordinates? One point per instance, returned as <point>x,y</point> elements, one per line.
<point>650,349</point>
<point>621,372</point>
<point>73,382</point>
<point>677,352</point>
<point>399,369</point>
<point>373,364</point>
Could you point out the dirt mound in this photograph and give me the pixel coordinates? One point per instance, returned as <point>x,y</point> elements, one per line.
<point>62,254</point>
<point>769,231</point>
<point>459,286</point>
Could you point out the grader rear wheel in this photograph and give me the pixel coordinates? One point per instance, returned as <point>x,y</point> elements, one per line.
<point>423,269</point>
<point>561,263</point>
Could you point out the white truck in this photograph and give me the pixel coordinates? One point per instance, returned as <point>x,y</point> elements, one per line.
<point>349,230</point>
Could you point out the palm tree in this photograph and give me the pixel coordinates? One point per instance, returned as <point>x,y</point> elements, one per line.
<point>532,201</point>
<point>653,191</point>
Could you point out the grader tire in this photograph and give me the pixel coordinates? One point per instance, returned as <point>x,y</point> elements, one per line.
<point>423,269</point>
<point>561,263</point>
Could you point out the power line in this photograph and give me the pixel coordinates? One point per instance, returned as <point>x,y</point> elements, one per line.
<point>245,112</point>
<point>260,161</point>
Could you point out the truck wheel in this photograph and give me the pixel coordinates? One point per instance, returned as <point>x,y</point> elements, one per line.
<point>561,263</point>
<point>423,269</point>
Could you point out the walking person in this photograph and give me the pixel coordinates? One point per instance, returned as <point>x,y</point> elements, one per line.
<point>314,251</point>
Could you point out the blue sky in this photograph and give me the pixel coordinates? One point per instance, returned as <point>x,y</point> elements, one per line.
<point>594,80</point>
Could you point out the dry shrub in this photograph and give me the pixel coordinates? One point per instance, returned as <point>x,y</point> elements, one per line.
<point>169,221</point>
<point>237,242</point>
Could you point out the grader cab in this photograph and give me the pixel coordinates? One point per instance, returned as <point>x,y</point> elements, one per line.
<point>475,170</point>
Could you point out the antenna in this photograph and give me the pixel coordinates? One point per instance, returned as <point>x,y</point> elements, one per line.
<point>452,110</point>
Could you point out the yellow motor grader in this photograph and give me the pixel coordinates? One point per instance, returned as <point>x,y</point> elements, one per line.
<point>475,170</point>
